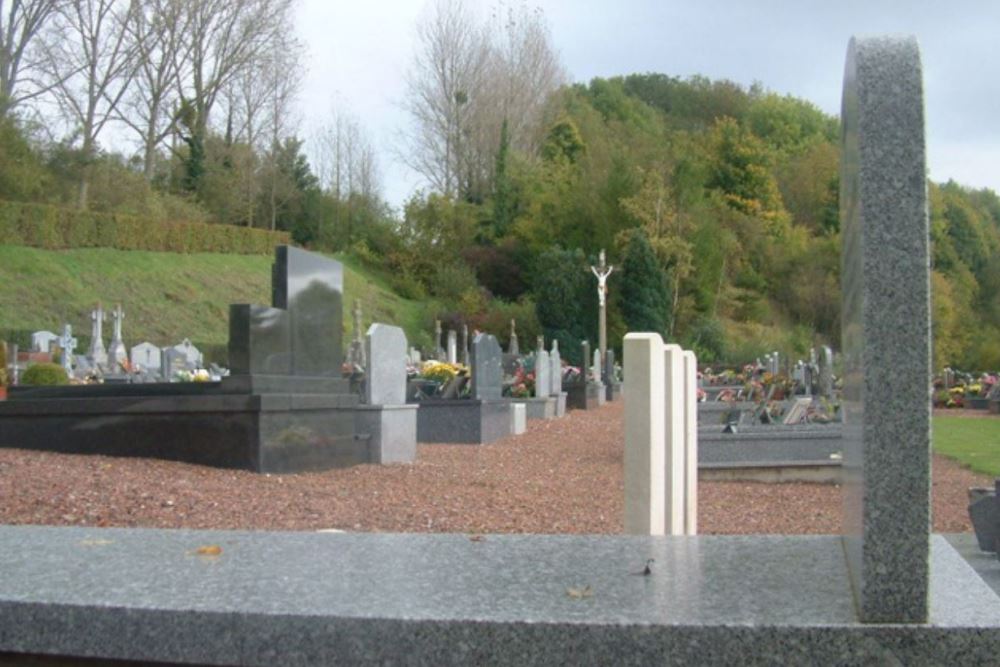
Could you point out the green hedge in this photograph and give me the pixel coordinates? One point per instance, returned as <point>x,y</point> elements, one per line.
<point>54,228</point>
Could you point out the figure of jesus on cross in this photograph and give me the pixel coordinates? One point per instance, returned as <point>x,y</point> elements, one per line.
<point>602,272</point>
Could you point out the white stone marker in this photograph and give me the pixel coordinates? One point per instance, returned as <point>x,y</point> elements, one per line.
<point>644,434</point>
<point>674,432</point>
<point>690,443</point>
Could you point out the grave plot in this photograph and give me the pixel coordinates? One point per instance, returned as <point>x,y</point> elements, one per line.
<point>284,407</point>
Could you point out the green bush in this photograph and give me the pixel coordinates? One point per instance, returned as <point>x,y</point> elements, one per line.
<point>44,375</point>
<point>3,363</point>
<point>52,227</point>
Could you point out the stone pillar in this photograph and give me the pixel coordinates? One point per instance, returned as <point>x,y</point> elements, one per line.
<point>886,330</point>
<point>644,434</point>
<point>674,413</point>
<point>690,443</point>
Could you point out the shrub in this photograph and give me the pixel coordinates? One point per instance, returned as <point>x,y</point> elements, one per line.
<point>44,375</point>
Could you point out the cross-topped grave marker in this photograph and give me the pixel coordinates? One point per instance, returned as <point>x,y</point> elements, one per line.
<point>602,271</point>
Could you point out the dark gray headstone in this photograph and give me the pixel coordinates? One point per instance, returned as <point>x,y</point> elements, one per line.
<point>983,512</point>
<point>826,373</point>
<point>886,330</point>
<point>586,360</point>
<point>487,375</point>
<point>385,379</point>
<point>608,372</point>
<point>301,334</point>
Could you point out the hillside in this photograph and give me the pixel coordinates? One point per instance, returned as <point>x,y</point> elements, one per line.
<point>166,297</point>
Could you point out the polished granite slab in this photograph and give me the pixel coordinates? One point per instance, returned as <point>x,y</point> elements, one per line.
<point>308,598</point>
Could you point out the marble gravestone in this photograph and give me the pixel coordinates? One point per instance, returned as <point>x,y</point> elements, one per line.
<point>487,374</point>
<point>117,356</point>
<point>389,423</point>
<point>97,354</point>
<point>385,380</point>
<point>884,223</point>
<point>555,373</point>
<point>452,347</point>
<point>543,374</point>
<point>41,341</point>
<point>555,379</point>
<point>146,355</point>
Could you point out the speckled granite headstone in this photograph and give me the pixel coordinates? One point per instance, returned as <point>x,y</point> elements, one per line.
<point>487,374</point>
<point>886,330</point>
<point>385,349</point>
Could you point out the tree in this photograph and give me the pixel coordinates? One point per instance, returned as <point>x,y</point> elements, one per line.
<point>467,79</point>
<point>90,63</point>
<point>222,38</point>
<point>442,90</point>
<point>643,286</point>
<point>666,230</point>
<point>22,22</point>
<point>156,29</point>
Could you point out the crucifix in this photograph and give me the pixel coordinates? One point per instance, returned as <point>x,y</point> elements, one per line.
<point>67,344</point>
<point>602,272</point>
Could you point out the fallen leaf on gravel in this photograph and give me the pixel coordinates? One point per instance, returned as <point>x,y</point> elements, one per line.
<point>209,550</point>
<point>579,593</point>
<point>95,543</point>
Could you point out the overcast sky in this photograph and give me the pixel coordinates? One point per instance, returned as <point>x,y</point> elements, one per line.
<point>359,54</point>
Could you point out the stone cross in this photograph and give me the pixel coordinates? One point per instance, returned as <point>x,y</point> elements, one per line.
<point>67,343</point>
<point>602,271</point>
<point>356,353</point>
<point>539,343</point>
<point>512,347</point>
<point>98,355</point>
<point>116,351</point>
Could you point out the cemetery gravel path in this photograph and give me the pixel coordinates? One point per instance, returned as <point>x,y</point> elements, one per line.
<point>562,476</point>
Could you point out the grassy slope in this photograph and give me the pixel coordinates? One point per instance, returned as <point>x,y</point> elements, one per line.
<point>975,443</point>
<point>166,297</point>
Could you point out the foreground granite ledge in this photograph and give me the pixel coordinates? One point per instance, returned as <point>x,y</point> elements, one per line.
<point>307,598</point>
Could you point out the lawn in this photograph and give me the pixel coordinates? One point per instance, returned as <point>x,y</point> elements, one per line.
<point>975,443</point>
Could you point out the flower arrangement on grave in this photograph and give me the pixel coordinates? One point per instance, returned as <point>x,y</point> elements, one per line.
<point>944,398</point>
<point>441,371</point>
<point>702,395</point>
<point>572,375</point>
<point>198,375</point>
<point>522,385</point>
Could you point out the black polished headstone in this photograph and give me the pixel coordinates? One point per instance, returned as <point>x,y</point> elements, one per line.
<point>301,334</point>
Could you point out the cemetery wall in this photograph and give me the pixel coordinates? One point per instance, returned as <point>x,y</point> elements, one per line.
<point>52,227</point>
